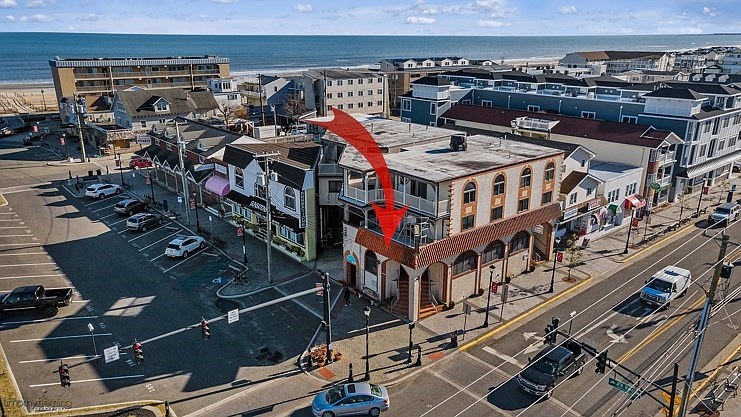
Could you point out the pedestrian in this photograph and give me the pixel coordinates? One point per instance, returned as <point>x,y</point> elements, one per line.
<point>77,187</point>
<point>347,295</point>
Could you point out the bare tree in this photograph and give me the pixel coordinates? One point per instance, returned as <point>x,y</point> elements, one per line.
<point>230,111</point>
<point>294,107</point>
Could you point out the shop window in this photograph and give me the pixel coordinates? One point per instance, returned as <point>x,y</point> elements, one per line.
<point>464,263</point>
<point>371,262</point>
<point>494,251</point>
<point>519,242</point>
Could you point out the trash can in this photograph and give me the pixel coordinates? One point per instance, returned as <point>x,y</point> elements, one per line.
<point>97,172</point>
<point>90,173</point>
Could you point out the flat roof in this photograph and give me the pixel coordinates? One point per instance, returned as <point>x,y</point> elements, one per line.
<point>609,170</point>
<point>436,162</point>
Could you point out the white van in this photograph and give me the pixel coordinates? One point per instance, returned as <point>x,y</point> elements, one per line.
<point>666,285</point>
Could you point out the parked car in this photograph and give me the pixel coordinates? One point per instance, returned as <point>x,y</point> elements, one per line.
<point>551,366</point>
<point>130,206</point>
<point>182,246</point>
<point>139,162</point>
<point>102,190</point>
<point>664,286</point>
<point>724,214</point>
<point>140,222</point>
<point>360,398</point>
<point>36,297</point>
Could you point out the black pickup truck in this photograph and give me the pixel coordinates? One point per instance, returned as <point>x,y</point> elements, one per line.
<point>551,366</point>
<point>36,297</point>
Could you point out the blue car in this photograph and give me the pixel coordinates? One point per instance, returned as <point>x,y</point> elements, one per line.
<point>359,398</point>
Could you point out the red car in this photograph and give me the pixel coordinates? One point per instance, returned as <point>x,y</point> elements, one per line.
<point>139,162</point>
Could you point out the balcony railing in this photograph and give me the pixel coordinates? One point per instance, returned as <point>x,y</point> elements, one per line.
<point>358,194</point>
<point>415,202</point>
<point>329,169</point>
<point>666,158</point>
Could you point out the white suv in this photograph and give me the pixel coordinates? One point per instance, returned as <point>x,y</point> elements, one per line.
<point>102,190</point>
<point>724,214</point>
<point>184,245</point>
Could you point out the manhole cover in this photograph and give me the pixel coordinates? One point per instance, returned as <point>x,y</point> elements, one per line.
<point>226,305</point>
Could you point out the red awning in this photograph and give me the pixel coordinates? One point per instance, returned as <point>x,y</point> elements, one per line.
<point>218,185</point>
<point>634,201</point>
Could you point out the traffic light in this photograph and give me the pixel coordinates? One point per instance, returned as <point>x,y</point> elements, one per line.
<point>725,271</point>
<point>205,331</point>
<point>550,335</point>
<point>601,363</point>
<point>138,352</point>
<point>64,375</point>
<point>554,322</point>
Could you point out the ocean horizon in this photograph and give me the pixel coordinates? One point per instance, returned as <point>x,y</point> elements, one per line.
<point>26,55</point>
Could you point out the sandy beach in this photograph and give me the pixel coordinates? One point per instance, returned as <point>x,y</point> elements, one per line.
<point>27,98</point>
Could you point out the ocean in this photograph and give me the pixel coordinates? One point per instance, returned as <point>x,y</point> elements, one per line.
<point>25,56</point>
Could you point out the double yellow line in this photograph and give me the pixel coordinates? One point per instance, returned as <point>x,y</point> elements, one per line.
<point>664,327</point>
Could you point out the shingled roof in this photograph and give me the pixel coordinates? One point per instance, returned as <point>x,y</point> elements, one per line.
<point>140,103</point>
<point>680,93</point>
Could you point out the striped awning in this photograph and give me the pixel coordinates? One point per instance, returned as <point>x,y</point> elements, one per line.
<point>634,201</point>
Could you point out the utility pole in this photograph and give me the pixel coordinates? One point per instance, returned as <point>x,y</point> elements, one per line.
<point>79,107</point>
<point>702,191</point>
<point>259,91</point>
<point>181,152</point>
<point>689,378</point>
<point>269,227</point>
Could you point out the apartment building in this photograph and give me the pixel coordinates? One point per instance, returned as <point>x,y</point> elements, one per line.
<point>102,77</point>
<point>352,91</point>
<point>619,61</point>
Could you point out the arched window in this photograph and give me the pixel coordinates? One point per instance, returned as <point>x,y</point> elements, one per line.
<point>465,262</point>
<point>290,198</point>
<point>469,193</point>
<point>239,177</point>
<point>550,172</point>
<point>494,251</point>
<point>498,188</point>
<point>371,262</point>
<point>525,178</point>
<point>519,242</point>
<point>259,190</point>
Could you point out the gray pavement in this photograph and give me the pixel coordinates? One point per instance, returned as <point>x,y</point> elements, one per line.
<point>388,335</point>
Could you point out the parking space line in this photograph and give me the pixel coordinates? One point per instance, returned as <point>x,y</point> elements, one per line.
<point>61,337</point>
<point>96,202</point>
<point>104,208</point>
<point>41,263</point>
<point>179,263</point>
<point>87,380</point>
<point>115,223</point>
<point>20,244</point>
<point>33,276</point>
<point>12,227</point>
<point>51,319</point>
<point>164,238</point>
<point>109,215</point>
<point>145,233</point>
<point>19,254</point>
<point>10,220</point>
<point>26,235</point>
<point>58,359</point>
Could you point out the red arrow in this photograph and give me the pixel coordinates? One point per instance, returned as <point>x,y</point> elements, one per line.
<point>346,127</point>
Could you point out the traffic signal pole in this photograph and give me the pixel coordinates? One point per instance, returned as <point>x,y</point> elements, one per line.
<point>709,300</point>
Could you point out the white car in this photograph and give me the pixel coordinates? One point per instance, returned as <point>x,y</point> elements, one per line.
<point>184,246</point>
<point>102,190</point>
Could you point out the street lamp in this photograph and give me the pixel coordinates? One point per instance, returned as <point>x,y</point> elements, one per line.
<point>195,208</point>
<point>366,311</point>
<point>556,241</point>
<point>488,296</point>
<point>572,315</point>
<point>43,99</point>
<point>151,183</point>
<point>630,228</point>
<point>411,327</point>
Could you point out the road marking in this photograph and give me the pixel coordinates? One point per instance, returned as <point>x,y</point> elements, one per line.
<point>303,305</point>
<point>533,347</point>
<point>156,257</point>
<point>21,244</point>
<point>10,220</point>
<point>616,338</point>
<point>659,331</point>
<point>48,320</point>
<point>166,237</point>
<point>98,201</point>
<point>374,326</point>
<point>190,256</point>
<point>461,388</point>
<point>503,356</point>
<point>87,380</point>
<point>33,276</point>
<point>26,235</point>
<point>107,216</point>
<point>104,208</point>
<point>58,359</point>
<point>20,254</point>
<point>61,337</point>
<point>12,227</point>
<point>115,223</point>
<point>524,314</point>
<point>711,377</point>
<point>41,263</point>
<point>588,330</point>
<point>146,233</point>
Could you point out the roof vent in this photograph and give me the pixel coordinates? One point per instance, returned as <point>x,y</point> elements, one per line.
<point>458,142</point>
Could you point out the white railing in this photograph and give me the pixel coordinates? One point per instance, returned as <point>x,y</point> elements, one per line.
<point>361,195</point>
<point>414,202</point>
<point>329,169</point>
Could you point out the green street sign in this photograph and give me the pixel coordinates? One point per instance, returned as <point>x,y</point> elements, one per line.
<point>622,386</point>
<point>655,186</point>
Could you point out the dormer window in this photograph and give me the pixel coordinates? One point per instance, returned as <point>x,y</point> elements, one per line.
<point>161,105</point>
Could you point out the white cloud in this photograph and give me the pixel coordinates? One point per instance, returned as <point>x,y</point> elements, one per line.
<point>303,8</point>
<point>8,4</point>
<point>90,17</point>
<point>9,18</point>
<point>37,18</point>
<point>567,9</point>
<point>35,4</point>
<point>709,11</point>
<point>489,24</point>
<point>419,20</point>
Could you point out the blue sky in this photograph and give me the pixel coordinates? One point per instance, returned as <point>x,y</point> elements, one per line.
<point>373,17</point>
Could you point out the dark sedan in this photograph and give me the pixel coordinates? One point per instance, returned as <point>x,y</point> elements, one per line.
<point>130,206</point>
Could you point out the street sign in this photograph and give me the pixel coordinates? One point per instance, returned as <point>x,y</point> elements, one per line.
<point>466,308</point>
<point>705,190</point>
<point>655,186</point>
<point>143,139</point>
<point>240,231</point>
<point>232,316</point>
<point>622,386</point>
<point>494,287</point>
<point>180,199</point>
<point>110,354</point>
<point>559,256</point>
